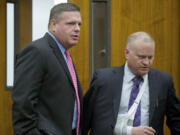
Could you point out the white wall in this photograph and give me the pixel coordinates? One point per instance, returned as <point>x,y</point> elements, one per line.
<point>59,1</point>
<point>40,16</point>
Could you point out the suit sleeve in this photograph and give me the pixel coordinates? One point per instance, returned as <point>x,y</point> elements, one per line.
<point>28,79</point>
<point>88,102</point>
<point>173,110</point>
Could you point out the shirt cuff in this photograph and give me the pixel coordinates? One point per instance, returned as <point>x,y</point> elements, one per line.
<point>129,130</point>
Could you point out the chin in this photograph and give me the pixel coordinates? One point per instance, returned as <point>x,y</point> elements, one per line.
<point>74,43</point>
<point>143,72</point>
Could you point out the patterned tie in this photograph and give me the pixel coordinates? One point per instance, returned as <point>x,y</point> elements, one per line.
<point>134,92</point>
<point>74,79</point>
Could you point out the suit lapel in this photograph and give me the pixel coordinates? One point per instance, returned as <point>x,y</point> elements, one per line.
<point>117,90</point>
<point>59,56</point>
<point>153,94</point>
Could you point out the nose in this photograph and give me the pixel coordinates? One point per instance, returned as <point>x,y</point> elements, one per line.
<point>77,27</point>
<point>146,61</point>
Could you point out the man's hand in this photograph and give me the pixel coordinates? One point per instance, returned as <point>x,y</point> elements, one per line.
<point>143,130</point>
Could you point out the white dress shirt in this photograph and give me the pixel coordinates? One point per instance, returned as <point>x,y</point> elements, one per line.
<point>125,95</point>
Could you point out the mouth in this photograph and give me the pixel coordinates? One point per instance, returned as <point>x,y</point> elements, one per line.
<point>145,68</point>
<point>75,37</point>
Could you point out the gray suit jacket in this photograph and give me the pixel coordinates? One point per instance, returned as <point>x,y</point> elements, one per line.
<point>101,102</point>
<point>43,93</point>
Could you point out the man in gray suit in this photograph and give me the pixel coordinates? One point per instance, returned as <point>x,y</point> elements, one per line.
<point>47,95</point>
<point>108,100</point>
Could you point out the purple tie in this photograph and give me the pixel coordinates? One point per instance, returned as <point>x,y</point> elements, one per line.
<point>74,79</point>
<point>134,93</point>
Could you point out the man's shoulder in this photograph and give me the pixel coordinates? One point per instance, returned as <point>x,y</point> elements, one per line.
<point>160,74</point>
<point>109,72</point>
<point>110,69</point>
<point>40,44</point>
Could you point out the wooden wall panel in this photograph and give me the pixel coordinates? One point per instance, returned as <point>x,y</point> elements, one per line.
<point>25,22</point>
<point>5,97</point>
<point>25,28</point>
<point>161,19</point>
<point>80,53</point>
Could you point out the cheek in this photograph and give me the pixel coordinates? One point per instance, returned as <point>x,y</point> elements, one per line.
<point>58,30</point>
<point>139,63</point>
<point>151,62</point>
<point>67,32</point>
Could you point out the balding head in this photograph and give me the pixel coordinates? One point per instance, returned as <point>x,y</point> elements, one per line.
<point>139,36</point>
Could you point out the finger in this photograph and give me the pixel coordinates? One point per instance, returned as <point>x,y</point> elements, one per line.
<point>149,131</point>
<point>152,129</point>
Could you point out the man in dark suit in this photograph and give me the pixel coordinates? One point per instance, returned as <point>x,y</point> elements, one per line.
<point>47,94</point>
<point>108,98</point>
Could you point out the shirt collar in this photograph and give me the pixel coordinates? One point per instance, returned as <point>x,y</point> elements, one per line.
<point>58,43</point>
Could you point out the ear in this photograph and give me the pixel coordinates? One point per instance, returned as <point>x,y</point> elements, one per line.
<point>126,52</point>
<point>53,25</point>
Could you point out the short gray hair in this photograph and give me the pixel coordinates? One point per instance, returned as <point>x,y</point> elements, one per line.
<point>57,10</point>
<point>143,36</point>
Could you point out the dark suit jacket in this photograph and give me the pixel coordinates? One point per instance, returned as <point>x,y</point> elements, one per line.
<point>101,102</point>
<point>43,92</point>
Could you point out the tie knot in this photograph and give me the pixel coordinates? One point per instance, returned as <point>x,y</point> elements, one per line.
<point>137,80</point>
<point>67,53</point>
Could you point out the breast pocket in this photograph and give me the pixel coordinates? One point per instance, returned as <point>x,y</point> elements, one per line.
<point>160,108</point>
